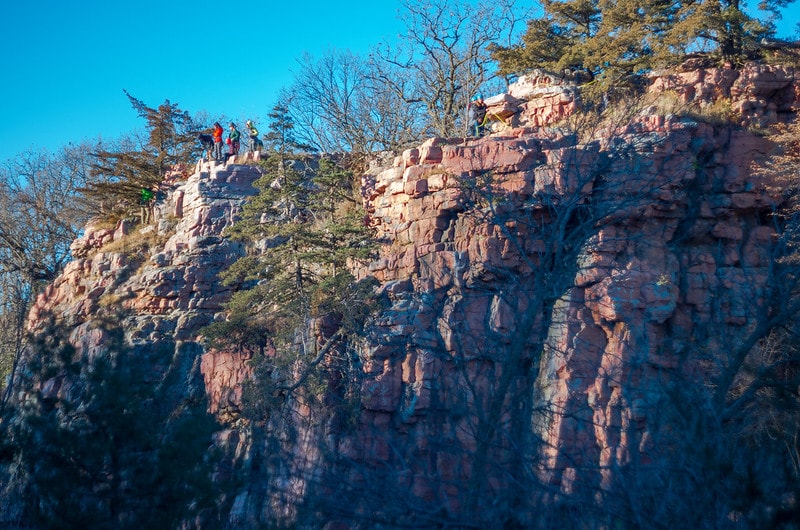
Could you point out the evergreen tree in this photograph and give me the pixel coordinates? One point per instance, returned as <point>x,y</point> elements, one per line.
<point>726,27</point>
<point>280,139</point>
<point>553,40</point>
<point>301,229</point>
<point>616,40</point>
<point>119,175</point>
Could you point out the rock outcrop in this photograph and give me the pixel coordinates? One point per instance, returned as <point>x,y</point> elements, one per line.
<point>175,290</point>
<point>162,280</point>
<point>679,246</point>
<point>761,94</point>
<point>546,292</point>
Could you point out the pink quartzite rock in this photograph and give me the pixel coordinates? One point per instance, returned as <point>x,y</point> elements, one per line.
<point>173,289</point>
<point>762,94</point>
<point>593,273</point>
<point>636,279</point>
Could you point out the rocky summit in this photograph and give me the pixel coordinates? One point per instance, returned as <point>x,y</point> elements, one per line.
<point>551,292</point>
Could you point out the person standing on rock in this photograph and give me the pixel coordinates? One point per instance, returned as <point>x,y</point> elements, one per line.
<point>146,197</point>
<point>234,139</point>
<point>217,134</point>
<point>255,143</point>
<point>477,114</point>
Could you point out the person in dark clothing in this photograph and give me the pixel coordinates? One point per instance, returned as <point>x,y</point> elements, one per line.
<point>477,115</point>
<point>207,143</point>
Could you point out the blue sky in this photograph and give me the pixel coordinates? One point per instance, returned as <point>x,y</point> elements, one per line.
<point>64,65</point>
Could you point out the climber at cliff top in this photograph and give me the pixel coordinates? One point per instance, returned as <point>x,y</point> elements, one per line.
<point>233,140</point>
<point>255,143</point>
<point>477,114</point>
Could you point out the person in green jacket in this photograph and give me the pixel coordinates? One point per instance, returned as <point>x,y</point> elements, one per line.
<point>146,200</point>
<point>234,139</point>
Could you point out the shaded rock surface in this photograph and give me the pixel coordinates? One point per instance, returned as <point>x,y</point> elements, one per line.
<point>681,248</point>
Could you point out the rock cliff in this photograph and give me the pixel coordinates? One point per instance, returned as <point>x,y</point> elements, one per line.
<point>549,289</point>
<point>161,280</point>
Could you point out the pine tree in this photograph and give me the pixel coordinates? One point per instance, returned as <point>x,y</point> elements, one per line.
<point>120,175</point>
<point>302,228</point>
<point>724,26</point>
<point>554,41</point>
<point>616,40</point>
<point>630,38</point>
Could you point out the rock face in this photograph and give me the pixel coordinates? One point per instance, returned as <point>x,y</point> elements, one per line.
<point>761,94</point>
<point>758,94</point>
<point>545,292</point>
<point>677,248</point>
<point>170,294</point>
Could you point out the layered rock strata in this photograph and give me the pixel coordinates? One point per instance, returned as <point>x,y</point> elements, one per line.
<point>679,245</point>
<point>544,290</point>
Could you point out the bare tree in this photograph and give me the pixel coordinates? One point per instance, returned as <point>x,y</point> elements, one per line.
<point>443,58</point>
<point>337,107</point>
<point>402,93</point>
<point>41,213</point>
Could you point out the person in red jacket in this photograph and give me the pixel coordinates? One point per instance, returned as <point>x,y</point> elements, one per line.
<point>217,134</point>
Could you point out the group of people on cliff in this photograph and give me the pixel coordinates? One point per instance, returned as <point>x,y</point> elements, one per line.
<point>212,143</point>
<point>212,150</point>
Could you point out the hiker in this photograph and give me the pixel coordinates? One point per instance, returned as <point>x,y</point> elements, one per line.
<point>207,143</point>
<point>233,140</point>
<point>477,114</point>
<point>255,143</point>
<point>217,133</point>
<point>146,197</point>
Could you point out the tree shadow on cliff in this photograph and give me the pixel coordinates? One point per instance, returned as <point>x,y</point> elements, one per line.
<point>479,462</point>
<point>553,337</point>
<point>703,429</point>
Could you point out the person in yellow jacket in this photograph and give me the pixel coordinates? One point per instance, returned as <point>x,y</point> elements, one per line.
<point>255,143</point>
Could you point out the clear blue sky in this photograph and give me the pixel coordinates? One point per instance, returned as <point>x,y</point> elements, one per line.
<point>64,65</point>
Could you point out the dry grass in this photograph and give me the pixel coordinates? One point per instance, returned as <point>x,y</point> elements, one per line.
<point>720,112</point>
<point>139,243</point>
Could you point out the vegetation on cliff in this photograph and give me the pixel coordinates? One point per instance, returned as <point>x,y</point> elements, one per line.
<point>304,231</point>
<point>617,41</point>
<point>119,175</point>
